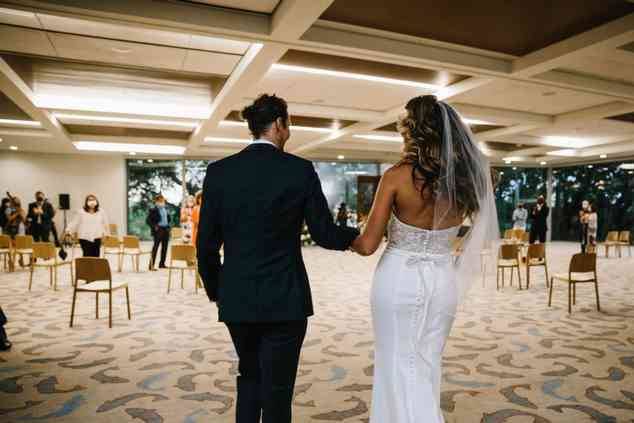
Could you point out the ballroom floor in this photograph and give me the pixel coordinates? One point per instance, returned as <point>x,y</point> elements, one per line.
<point>510,358</point>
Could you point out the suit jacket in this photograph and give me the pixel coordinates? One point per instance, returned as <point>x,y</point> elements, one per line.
<point>539,218</point>
<point>255,203</point>
<point>47,215</point>
<point>154,217</point>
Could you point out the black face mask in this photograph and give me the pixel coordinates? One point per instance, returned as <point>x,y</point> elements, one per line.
<point>40,199</point>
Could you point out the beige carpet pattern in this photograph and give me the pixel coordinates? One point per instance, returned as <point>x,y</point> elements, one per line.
<point>510,358</point>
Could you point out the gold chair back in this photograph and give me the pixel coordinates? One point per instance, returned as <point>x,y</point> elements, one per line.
<point>518,233</point>
<point>183,252</point>
<point>114,229</point>
<point>176,233</point>
<point>509,251</point>
<point>44,250</point>
<point>23,242</point>
<point>526,237</point>
<point>624,236</point>
<point>91,269</point>
<point>109,242</point>
<point>131,242</point>
<point>613,236</point>
<point>583,263</point>
<point>5,241</point>
<point>508,234</point>
<point>536,251</point>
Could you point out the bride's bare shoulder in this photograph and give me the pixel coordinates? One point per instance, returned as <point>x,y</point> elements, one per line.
<point>399,172</point>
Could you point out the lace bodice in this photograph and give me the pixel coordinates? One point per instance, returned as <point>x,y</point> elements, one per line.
<point>425,242</point>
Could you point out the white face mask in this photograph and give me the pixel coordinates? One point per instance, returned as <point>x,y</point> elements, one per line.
<point>92,203</point>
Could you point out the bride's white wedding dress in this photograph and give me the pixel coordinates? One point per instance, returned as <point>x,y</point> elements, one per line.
<point>414,299</point>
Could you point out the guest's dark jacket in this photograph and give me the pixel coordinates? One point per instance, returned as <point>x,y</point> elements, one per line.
<point>254,203</point>
<point>539,218</point>
<point>154,217</point>
<point>47,215</point>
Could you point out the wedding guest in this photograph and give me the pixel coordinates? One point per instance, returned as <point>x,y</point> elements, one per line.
<point>583,225</point>
<point>40,218</point>
<point>520,215</point>
<point>3,214</point>
<point>186,218</point>
<point>91,224</point>
<point>539,225</point>
<point>342,215</point>
<point>196,215</point>
<point>5,345</point>
<point>159,222</point>
<point>16,218</point>
<point>592,221</point>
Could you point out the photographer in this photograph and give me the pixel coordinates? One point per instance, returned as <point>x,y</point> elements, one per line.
<point>40,218</point>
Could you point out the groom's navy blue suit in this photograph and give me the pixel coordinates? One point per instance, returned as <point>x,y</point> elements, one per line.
<point>254,205</point>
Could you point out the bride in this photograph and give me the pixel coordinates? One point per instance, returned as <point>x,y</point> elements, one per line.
<point>442,181</point>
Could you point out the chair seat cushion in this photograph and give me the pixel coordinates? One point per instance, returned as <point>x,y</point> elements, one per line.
<point>579,277</point>
<point>100,286</point>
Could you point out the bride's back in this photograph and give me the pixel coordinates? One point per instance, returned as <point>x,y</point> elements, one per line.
<point>418,209</point>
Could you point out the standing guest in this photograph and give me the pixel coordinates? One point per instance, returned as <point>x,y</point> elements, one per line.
<point>342,215</point>
<point>159,223</point>
<point>539,224</point>
<point>16,225</point>
<point>5,345</point>
<point>91,224</point>
<point>520,216</point>
<point>592,222</point>
<point>583,225</point>
<point>40,218</point>
<point>186,218</point>
<point>3,214</point>
<point>196,216</point>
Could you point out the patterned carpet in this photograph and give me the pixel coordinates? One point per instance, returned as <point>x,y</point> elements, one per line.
<point>510,358</point>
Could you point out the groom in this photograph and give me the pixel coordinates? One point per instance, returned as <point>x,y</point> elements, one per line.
<point>254,204</point>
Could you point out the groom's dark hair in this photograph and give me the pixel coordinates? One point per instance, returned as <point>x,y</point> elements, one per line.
<point>263,112</point>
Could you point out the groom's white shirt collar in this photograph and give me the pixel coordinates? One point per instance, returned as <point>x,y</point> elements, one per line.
<point>261,141</point>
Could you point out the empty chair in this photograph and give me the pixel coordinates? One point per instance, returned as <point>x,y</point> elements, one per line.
<point>177,234</point>
<point>517,234</point>
<point>624,241</point>
<point>536,256</point>
<point>23,246</point>
<point>508,258</point>
<point>45,255</point>
<point>95,272</point>
<point>5,251</point>
<point>582,269</point>
<point>132,248</point>
<point>183,257</point>
<point>612,239</point>
<point>110,246</point>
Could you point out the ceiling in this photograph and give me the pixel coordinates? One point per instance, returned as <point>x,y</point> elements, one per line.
<point>529,82</point>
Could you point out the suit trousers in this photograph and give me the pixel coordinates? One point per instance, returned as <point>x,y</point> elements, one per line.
<point>537,234</point>
<point>269,357</point>
<point>90,248</point>
<point>41,233</point>
<point>161,237</point>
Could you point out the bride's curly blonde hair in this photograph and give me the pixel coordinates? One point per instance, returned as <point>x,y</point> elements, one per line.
<point>422,131</point>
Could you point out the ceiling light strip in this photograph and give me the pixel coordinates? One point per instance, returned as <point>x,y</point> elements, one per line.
<point>115,119</point>
<point>128,148</point>
<point>19,122</point>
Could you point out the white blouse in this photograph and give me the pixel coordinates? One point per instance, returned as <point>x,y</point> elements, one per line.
<point>89,226</point>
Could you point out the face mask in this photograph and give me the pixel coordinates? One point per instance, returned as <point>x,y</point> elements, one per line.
<point>92,203</point>
<point>40,199</point>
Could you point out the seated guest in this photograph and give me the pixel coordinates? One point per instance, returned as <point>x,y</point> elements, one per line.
<point>159,222</point>
<point>40,218</point>
<point>91,224</point>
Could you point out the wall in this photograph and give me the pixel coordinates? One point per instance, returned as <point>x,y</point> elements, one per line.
<point>78,175</point>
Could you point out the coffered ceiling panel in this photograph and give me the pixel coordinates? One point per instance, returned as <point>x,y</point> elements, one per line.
<point>18,17</point>
<point>600,129</point>
<point>8,109</point>
<point>208,62</point>
<point>261,6</point>
<point>514,27</point>
<point>25,40</point>
<point>529,97</point>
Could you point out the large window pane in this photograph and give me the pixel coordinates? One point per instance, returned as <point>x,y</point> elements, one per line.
<point>147,179</point>
<point>195,171</point>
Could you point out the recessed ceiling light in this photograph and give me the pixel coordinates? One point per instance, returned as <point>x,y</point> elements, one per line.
<point>20,122</point>
<point>227,140</point>
<point>117,119</point>
<point>391,138</point>
<point>132,153</point>
<point>603,156</point>
<point>13,147</point>
<point>542,163</point>
<point>341,157</point>
<point>566,153</point>
<point>127,148</point>
<point>150,160</point>
<point>590,166</point>
<point>501,173</point>
<point>121,50</point>
<point>357,76</point>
